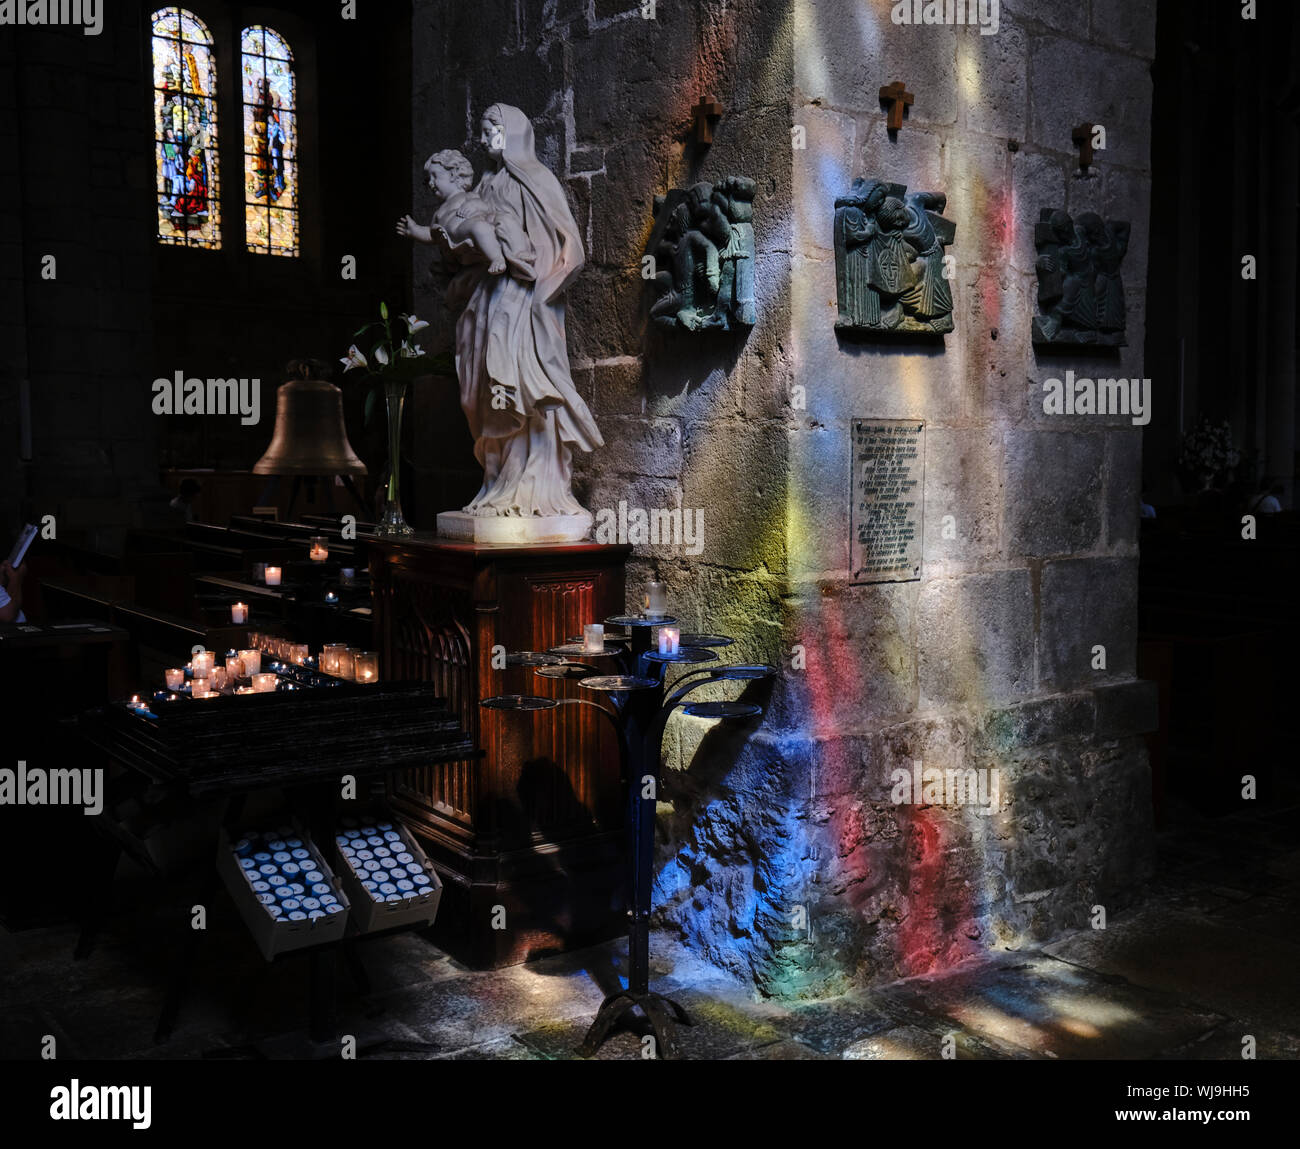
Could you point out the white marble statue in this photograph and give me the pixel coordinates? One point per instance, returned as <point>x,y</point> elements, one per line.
<point>517,249</point>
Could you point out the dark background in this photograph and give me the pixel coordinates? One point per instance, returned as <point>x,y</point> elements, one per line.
<point>76,181</point>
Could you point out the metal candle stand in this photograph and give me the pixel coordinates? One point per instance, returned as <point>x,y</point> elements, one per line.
<point>640,710</point>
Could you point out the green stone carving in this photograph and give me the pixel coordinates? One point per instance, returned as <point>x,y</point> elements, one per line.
<point>1080,290</point>
<point>702,251</point>
<point>890,271</point>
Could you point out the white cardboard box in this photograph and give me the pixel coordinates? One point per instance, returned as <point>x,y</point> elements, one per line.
<point>279,935</point>
<point>370,916</point>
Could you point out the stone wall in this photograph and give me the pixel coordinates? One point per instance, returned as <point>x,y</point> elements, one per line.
<point>783,857</point>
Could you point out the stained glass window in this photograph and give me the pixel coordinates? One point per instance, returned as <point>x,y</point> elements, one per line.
<point>185,130</point>
<point>270,143</point>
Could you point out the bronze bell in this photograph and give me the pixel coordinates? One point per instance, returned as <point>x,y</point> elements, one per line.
<point>310,437</point>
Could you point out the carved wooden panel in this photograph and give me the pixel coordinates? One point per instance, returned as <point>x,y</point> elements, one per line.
<point>564,799</point>
<point>429,640</point>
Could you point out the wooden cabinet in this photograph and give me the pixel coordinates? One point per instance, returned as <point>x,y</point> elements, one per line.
<point>528,834</point>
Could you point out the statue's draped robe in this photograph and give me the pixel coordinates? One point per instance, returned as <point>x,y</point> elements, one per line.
<point>860,305</point>
<point>1109,284</point>
<point>930,294</point>
<point>1078,302</point>
<point>524,412</point>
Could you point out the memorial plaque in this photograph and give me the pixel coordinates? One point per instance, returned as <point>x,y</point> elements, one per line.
<point>887,492</point>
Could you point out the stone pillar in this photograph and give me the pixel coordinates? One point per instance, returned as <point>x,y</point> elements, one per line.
<point>784,856</point>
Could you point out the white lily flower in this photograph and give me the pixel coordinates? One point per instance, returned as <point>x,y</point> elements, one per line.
<point>411,350</point>
<point>381,356</point>
<point>354,358</point>
<point>414,324</point>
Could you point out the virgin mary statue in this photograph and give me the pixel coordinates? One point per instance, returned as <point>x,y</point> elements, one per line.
<point>524,412</point>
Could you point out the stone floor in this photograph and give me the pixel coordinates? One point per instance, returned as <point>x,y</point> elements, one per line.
<point>1209,956</point>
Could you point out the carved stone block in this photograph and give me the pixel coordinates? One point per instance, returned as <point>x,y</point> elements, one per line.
<point>1080,291</point>
<point>702,245</point>
<point>889,260</point>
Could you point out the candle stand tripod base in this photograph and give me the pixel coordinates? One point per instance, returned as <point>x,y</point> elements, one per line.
<point>656,1009</point>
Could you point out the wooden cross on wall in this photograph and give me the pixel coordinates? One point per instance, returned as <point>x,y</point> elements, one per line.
<point>705,112</point>
<point>898,97</point>
<point>1082,137</point>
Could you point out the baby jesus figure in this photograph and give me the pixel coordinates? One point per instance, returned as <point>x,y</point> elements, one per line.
<point>463,224</point>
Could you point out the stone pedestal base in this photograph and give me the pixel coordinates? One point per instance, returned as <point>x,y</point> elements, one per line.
<point>514,529</point>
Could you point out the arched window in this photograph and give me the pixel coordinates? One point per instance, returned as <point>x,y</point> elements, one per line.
<point>185,129</point>
<point>270,143</point>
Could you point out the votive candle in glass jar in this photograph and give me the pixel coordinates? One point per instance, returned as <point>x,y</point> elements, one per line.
<point>252,660</point>
<point>203,662</point>
<point>272,576</point>
<point>669,640</point>
<point>320,550</point>
<point>175,678</point>
<point>244,690</point>
<point>264,683</point>
<point>365,665</point>
<point>234,667</point>
<point>239,613</point>
<point>329,657</point>
<point>347,662</point>
<point>593,638</point>
<point>656,600</point>
<point>218,678</point>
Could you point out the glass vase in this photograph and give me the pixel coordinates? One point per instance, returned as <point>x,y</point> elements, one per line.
<point>392,523</point>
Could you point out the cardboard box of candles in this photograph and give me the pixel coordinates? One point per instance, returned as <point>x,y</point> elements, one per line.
<point>286,892</point>
<point>387,876</point>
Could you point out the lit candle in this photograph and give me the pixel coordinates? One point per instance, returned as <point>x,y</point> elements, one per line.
<point>365,665</point>
<point>234,667</point>
<point>593,638</point>
<point>175,678</point>
<point>299,653</point>
<point>203,662</point>
<point>252,660</point>
<point>264,683</point>
<point>218,678</point>
<point>330,656</point>
<point>670,638</point>
<point>199,690</point>
<point>244,690</point>
<point>347,662</point>
<point>239,613</point>
<point>272,576</point>
<point>319,549</point>
<point>331,597</point>
<point>656,600</point>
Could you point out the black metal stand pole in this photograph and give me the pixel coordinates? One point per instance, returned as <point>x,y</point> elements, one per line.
<point>643,737</point>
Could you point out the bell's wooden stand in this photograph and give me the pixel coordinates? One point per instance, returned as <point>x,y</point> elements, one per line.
<point>527,836</point>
